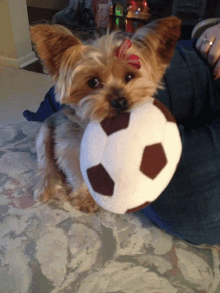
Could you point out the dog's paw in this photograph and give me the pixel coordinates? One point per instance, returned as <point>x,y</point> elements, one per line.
<point>51,191</point>
<point>82,200</point>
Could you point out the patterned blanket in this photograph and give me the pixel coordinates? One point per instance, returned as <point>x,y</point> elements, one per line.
<point>44,248</point>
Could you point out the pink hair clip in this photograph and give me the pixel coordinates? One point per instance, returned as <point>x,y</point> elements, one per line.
<point>132,59</point>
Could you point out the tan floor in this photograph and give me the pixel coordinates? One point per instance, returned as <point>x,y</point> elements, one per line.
<point>20,90</point>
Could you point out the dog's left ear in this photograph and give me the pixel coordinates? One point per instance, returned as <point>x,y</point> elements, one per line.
<point>51,43</point>
<point>158,39</point>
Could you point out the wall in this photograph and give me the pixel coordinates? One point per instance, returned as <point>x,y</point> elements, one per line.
<point>15,44</point>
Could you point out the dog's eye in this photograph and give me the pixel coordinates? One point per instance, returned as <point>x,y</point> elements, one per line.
<point>129,76</point>
<point>94,83</point>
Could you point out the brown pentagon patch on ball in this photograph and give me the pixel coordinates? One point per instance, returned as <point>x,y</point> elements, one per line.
<point>112,125</point>
<point>164,110</point>
<point>140,207</point>
<point>100,180</point>
<point>153,160</point>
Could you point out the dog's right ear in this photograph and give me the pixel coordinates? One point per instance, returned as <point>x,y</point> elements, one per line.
<point>51,43</point>
<point>158,40</point>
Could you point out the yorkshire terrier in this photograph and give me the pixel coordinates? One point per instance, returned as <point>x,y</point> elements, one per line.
<point>95,81</point>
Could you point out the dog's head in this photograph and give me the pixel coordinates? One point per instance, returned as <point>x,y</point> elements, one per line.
<point>112,74</point>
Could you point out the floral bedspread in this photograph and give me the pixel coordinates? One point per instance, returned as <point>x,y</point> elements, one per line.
<point>48,249</point>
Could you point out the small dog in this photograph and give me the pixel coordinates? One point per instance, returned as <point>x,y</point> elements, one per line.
<point>95,81</point>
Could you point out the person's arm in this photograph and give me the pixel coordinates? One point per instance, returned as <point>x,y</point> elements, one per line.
<point>210,50</point>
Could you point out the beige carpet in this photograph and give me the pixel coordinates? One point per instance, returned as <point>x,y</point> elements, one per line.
<point>20,90</point>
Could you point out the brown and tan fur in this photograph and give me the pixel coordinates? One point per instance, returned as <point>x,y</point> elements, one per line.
<point>72,64</point>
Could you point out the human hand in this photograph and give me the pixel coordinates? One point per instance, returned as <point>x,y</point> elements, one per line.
<point>210,49</point>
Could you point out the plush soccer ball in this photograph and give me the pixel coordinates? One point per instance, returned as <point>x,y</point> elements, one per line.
<point>128,161</point>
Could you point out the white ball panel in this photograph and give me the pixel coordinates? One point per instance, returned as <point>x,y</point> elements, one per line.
<point>172,143</point>
<point>139,105</point>
<point>92,145</point>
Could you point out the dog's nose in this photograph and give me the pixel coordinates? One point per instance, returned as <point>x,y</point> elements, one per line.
<point>120,104</point>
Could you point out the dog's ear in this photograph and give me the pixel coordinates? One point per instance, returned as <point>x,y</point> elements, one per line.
<point>159,38</point>
<point>51,43</point>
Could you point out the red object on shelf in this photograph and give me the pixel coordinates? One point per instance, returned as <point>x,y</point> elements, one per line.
<point>134,5</point>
